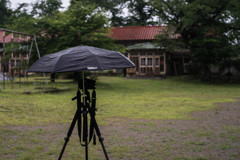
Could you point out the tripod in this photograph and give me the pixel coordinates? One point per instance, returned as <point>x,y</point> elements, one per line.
<point>81,116</point>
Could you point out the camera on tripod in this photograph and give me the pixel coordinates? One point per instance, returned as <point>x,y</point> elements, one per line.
<point>88,83</point>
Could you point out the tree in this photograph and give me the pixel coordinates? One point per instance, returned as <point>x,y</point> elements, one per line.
<point>80,24</point>
<point>21,20</point>
<point>114,7</point>
<point>46,7</point>
<point>141,13</point>
<point>5,12</point>
<point>204,26</point>
<point>234,24</point>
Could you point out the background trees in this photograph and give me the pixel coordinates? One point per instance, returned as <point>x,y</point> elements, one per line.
<point>81,24</point>
<point>5,12</point>
<point>46,7</point>
<point>114,9</point>
<point>126,12</point>
<point>207,27</point>
<point>141,13</point>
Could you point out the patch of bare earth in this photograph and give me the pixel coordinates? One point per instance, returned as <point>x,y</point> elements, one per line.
<point>212,135</point>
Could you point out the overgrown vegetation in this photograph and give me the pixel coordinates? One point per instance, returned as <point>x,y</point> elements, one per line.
<point>208,28</point>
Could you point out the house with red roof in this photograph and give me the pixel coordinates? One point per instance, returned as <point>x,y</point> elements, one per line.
<point>150,59</point>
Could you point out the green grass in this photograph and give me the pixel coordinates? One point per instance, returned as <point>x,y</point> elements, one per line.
<point>172,98</point>
<point>31,124</point>
<point>154,99</point>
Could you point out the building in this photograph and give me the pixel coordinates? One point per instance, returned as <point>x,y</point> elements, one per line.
<point>12,41</point>
<point>150,59</point>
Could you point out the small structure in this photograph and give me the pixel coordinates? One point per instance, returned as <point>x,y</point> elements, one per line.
<point>150,59</point>
<point>2,77</point>
<point>12,40</point>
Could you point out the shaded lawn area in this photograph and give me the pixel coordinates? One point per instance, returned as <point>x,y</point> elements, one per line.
<point>136,117</point>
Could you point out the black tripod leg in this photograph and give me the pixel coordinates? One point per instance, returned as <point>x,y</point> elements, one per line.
<point>101,139</point>
<point>85,133</point>
<point>69,134</point>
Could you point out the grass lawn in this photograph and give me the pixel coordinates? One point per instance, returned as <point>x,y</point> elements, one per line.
<point>32,126</point>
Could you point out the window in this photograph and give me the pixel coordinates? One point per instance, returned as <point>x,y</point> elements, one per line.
<point>161,64</point>
<point>12,63</point>
<point>143,70</point>
<point>149,61</point>
<point>186,60</point>
<point>135,61</point>
<point>149,69</point>
<point>17,63</point>
<point>161,59</point>
<point>161,68</point>
<point>143,61</point>
<point>156,61</point>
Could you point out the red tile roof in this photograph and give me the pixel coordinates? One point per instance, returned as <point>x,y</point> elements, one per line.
<point>135,32</point>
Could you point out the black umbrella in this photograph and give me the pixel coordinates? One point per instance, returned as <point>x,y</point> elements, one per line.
<point>83,58</point>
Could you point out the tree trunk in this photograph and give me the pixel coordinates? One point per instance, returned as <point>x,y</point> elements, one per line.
<point>53,77</point>
<point>206,73</point>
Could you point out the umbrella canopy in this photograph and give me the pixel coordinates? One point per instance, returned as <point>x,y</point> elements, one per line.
<point>81,58</point>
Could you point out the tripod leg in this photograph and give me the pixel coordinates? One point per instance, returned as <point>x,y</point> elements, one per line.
<point>85,133</point>
<point>86,151</point>
<point>69,134</point>
<point>101,139</point>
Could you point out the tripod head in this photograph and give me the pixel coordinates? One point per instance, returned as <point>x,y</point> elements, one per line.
<point>89,83</point>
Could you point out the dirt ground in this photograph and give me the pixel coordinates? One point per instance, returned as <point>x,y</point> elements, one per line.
<point>211,135</point>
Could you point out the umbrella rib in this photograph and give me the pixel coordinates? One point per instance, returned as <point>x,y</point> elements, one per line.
<point>60,57</point>
<point>96,58</point>
<point>126,58</point>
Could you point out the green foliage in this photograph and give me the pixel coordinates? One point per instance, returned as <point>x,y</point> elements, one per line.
<point>5,12</point>
<point>141,13</point>
<point>235,24</point>
<point>80,24</point>
<point>15,48</point>
<point>46,7</point>
<point>21,21</point>
<point>207,27</point>
<point>115,7</point>
<point>168,40</point>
